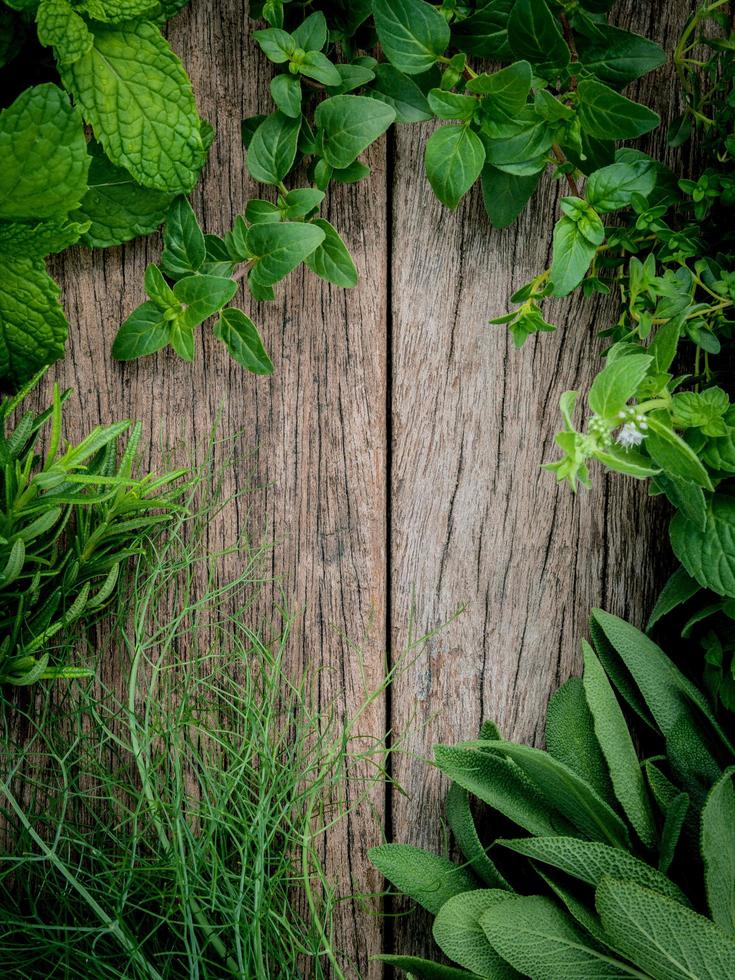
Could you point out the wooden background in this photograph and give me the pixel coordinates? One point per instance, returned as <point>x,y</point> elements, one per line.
<point>399,445</point>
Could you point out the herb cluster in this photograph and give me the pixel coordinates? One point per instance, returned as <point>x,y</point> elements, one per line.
<point>112,70</point>
<point>590,859</point>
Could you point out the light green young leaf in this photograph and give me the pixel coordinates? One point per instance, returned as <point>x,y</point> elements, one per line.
<point>662,937</point>
<point>143,332</point>
<point>572,256</point>
<point>44,154</point>
<point>459,935</point>
<point>453,158</point>
<point>617,746</point>
<point>426,878</point>
<point>718,851</point>
<point>279,248</point>
<point>61,27</point>
<point>535,34</point>
<point>135,93</point>
<point>544,943</point>
<point>349,124</point>
<point>617,383</point>
<point>33,327</point>
<point>184,249</point>
<point>412,33</point>
<point>606,114</point>
<point>626,461</point>
<point>118,208</point>
<point>591,862</point>
<point>240,335</point>
<point>273,147</point>
<point>570,736</point>
<point>331,260</point>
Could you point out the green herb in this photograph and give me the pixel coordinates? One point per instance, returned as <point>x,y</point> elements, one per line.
<point>57,189</point>
<point>632,854</point>
<point>177,829</point>
<point>69,520</point>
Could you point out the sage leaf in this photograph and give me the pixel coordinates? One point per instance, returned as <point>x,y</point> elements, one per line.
<point>241,338</point>
<point>453,158</point>
<point>412,33</point>
<point>662,937</point>
<point>718,851</point>
<point>544,943</point>
<point>331,260</point>
<point>414,966</point>
<point>459,935</point>
<point>349,124</point>
<point>571,739</point>
<point>606,114</point>
<point>617,747</point>
<point>273,146</point>
<point>426,878</point>
<point>462,825</point>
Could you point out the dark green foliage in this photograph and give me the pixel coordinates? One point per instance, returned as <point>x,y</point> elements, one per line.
<point>640,882</point>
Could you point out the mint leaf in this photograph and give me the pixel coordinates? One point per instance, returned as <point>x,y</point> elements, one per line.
<point>240,335</point>
<point>606,114</point>
<point>116,11</point>
<point>673,455</point>
<point>135,93</point>
<point>708,555</point>
<point>535,35</point>
<point>572,256</point>
<point>413,34</point>
<point>349,124</point>
<point>616,384</point>
<point>453,158</point>
<point>35,240</point>
<point>60,27</point>
<point>44,154</point>
<point>32,323</point>
<point>273,146</point>
<point>279,248</point>
<point>184,249</point>
<point>143,332</point>
<point>116,206</point>
<point>331,260</point>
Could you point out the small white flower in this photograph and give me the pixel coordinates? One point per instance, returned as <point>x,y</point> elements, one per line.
<point>630,435</point>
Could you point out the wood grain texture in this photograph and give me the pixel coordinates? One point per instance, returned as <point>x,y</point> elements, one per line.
<point>312,437</point>
<point>474,520</point>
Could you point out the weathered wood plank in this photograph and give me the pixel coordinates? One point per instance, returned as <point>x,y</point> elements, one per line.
<point>319,425</point>
<point>473,518</point>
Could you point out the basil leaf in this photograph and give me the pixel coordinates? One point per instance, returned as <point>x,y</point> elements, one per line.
<point>286,93</point>
<point>506,195</point>
<point>617,383</point>
<point>272,149</point>
<point>311,35</point>
<point>402,93</point>
<point>316,65</point>
<point>203,296</point>
<point>606,114</point>
<point>453,158</point>
<point>508,87</point>
<point>412,33</point>
<point>184,249</point>
<point>535,35</point>
<point>615,186</point>
<point>450,105</point>
<point>143,332</point>
<point>279,248</point>
<point>349,124</point>
<point>485,33</point>
<point>331,260</point>
<point>240,335</point>
<point>618,57</point>
<point>572,256</point>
